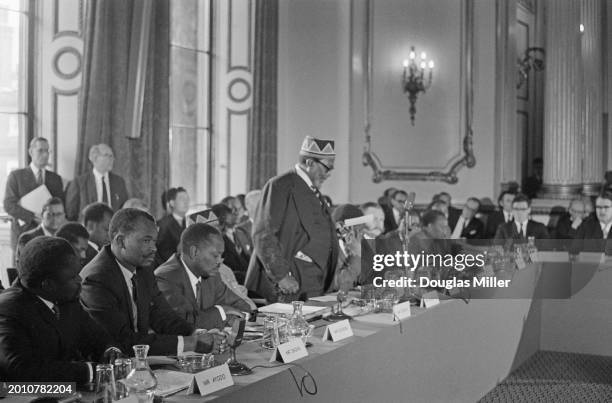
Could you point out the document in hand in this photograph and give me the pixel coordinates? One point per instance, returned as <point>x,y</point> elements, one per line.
<point>36,199</point>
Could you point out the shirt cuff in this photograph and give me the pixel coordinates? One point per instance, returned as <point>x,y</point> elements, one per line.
<point>91,372</point>
<point>180,346</point>
<point>221,312</point>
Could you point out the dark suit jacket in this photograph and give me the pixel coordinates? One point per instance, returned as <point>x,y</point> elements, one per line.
<point>589,238</point>
<point>453,216</point>
<point>493,221</point>
<point>25,238</point>
<point>289,219</point>
<point>19,183</point>
<point>242,236</point>
<point>390,223</point>
<point>173,281</point>
<point>36,346</point>
<point>168,237</point>
<point>509,232</point>
<point>90,253</point>
<point>474,229</point>
<point>237,261</point>
<point>82,191</point>
<point>106,298</point>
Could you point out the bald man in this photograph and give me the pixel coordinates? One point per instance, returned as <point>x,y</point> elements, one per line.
<point>98,185</point>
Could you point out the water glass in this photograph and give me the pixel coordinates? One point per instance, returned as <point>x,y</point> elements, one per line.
<point>106,391</point>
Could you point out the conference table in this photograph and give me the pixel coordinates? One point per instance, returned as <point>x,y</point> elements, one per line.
<point>452,352</point>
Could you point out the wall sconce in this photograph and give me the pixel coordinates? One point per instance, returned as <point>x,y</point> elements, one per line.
<point>413,79</point>
<point>533,59</point>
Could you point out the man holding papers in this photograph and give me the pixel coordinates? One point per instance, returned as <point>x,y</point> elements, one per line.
<point>29,182</point>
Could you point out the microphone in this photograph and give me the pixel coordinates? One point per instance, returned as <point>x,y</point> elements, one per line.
<point>408,206</point>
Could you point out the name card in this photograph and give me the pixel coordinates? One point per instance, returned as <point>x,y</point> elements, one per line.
<point>290,351</point>
<point>520,262</point>
<point>430,299</point>
<point>338,331</point>
<point>534,255</point>
<point>211,380</point>
<point>401,311</point>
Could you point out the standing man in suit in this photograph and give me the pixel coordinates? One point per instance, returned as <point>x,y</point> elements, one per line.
<point>521,228</point>
<point>295,242</point>
<point>120,292</point>
<point>22,181</point>
<point>97,185</point>
<point>242,233</point>
<point>191,284</point>
<point>468,226</point>
<point>172,224</point>
<point>504,215</point>
<point>594,234</point>
<point>233,256</point>
<point>45,335</point>
<point>53,217</point>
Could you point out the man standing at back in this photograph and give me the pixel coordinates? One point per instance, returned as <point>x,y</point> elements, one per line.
<point>294,238</point>
<point>22,181</point>
<point>97,185</point>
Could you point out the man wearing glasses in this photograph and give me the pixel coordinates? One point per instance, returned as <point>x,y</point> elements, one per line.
<point>593,235</point>
<point>521,228</point>
<point>294,238</point>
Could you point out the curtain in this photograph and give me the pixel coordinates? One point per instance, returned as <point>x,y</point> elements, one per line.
<point>143,162</point>
<point>262,144</point>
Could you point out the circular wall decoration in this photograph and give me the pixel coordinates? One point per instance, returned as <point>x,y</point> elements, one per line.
<point>239,90</point>
<point>67,63</point>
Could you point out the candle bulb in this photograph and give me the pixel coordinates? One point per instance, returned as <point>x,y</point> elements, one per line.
<point>412,55</point>
<point>406,63</point>
<point>423,65</point>
<point>423,55</point>
<point>431,64</point>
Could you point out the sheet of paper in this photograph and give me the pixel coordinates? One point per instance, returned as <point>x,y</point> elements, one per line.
<point>36,199</point>
<point>288,309</point>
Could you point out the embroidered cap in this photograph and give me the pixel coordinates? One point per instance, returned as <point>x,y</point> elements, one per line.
<point>204,217</point>
<point>316,148</point>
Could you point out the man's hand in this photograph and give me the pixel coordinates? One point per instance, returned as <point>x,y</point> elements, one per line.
<point>229,310</point>
<point>288,285</point>
<point>213,341</point>
<point>111,354</point>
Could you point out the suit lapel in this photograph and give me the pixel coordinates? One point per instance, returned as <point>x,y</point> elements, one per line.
<point>116,272</point>
<point>186,283</point>
<point>92,194</point>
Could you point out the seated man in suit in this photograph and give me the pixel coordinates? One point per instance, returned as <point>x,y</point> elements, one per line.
<point>52,218</point>
<point>468,226</point>
<point>77,236</point>
<point>243,231</point>
<point>396,212</point>
<point>97,185</point>
<point>96,218</point>
<point>22,181</point>
<point>120,292</point>
<point>501,216</point>
<point>190,282</point>
<point>594,234</point>
<point>567,226</point>
<point>171,225</point>
<point>453,213</point>
<point>45,335</point>
<point>233,256</point>
<point>375,227</point>
<point>521,228</point>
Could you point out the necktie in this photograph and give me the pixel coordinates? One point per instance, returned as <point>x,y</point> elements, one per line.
<point>135,301</point>
<point>104,192</point>
<point>198,296</point>
<point>458,228</point>
<point>56,311</point>
<point>39,177</point>
<point>523,231</point>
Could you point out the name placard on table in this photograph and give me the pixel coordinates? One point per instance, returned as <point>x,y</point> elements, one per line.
<point>430,299</point>
<point>338,331</point>
<point>401,311</point>
<point>212,380</point>
<point>290,351</point>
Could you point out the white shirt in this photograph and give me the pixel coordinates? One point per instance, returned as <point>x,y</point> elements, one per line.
<point>522,228</point>
<point>178,219</point>
<point>35,170</point>
<point>302,174</point>
<point>461,223</point>
<point>95,246</point>
<point>98,177</point>
<point>507,216</point>
<point>396,215</point>
<point>45,231</point>
<point>605,228</point>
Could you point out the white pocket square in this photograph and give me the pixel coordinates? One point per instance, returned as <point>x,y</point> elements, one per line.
<point>300,255</point>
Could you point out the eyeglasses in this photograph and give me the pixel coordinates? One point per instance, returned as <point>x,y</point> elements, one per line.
<point>327,169</point>
<point>603,207</point>
<point>521,209</point>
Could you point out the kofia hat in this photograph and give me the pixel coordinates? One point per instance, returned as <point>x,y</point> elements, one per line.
<point>204,217</point>
<point>316,148</point>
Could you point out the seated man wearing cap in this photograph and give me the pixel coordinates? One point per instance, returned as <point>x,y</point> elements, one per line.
<point>294,239</point>
<point>45,335</point>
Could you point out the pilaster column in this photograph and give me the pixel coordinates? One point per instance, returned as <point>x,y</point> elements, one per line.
<point>592,152</point>
<point>563,101</point>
